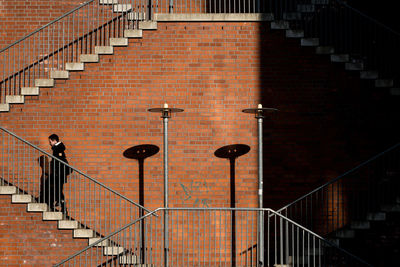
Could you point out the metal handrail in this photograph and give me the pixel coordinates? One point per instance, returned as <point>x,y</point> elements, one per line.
<point>339,177</point>
<point>209,210</point>
<point>47,25</point>
<point>368,17</point>
<point>76,170</point>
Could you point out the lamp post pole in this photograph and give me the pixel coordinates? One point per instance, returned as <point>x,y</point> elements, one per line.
<point>259,115</point>
<point>165,114</point>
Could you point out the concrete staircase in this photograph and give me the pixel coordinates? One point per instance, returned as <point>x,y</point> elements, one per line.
<point>125,257</point>
<point>75,66</point>
<point>351,63</point>
<point>376,234</point>
<point>84,58</point>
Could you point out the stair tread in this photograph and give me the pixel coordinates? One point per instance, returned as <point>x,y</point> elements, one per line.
<point>8,190</point>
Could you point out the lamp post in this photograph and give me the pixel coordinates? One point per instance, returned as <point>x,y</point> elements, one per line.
<point>259,115</point>
<point>165,114</point>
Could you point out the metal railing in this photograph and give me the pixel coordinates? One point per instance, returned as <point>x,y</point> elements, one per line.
<point>349,31</point>
<point>204,237</point>
<point>93,23</point>
<point>38,176</point>
<point>64,40</point>
<point>356,196</point>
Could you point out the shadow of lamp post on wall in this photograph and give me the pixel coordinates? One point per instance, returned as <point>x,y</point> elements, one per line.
<point>259,113</point>
<point>232,152</point>
<point>140,153</point>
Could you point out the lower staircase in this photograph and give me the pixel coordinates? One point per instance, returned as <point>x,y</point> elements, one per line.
<point>359,210</point>
<point>92,209</point>
<point>79,231</point>
<point>376,234</point>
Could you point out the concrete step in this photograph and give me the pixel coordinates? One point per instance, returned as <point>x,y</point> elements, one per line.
<point>121,7</point>
<point>309,41</point>
<point>368,75</point>
<point>104,243</point>
<point>294,33</point>
<point>384,83</point>
<point>340,58</point>
<point>280,25</point>
<point>360,225</point>
<point>320,2</point>
<point>37,207</point>
<point>395,91</point>
<point>148,25</point>
<point>59,74</point>
<point>119,41</point>
<point>52,216</point>
<point>65,224</point>
<point>8,190</point>
<point>136,16</point>
<point>345,234</point>
<point>390,208</point>
<point>292,16</point>
<point>21,198</point>
<point>83,233</point>
<point>89,58</point>
<point>304,8</point>
<point>112,251</point>
<point>354,66</point>
<point>75,66</point>
<point>127,259</point>
<point>325,50</point>
<point>133,33</point>
<point>104,50</point>
<point>30,91</point>
<point>378,216</point>
<point>15,99</point>
<point>44,82</point>
<point>4,107</point>
<point>108,2</point>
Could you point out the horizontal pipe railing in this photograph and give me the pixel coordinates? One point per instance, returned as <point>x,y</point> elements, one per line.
<point>204,237</point>
<point>356,196</point>
<point>368,42</point>
<point>79,32</point>
<point>39,177</point>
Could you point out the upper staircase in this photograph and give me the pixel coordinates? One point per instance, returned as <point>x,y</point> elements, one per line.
<point>363,45</point>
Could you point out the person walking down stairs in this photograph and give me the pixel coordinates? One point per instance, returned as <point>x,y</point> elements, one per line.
<point>58,174</point>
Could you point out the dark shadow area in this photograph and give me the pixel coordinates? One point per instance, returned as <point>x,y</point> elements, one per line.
<point>140,153</point>
<point>232,152</point>
<point>329,121</point>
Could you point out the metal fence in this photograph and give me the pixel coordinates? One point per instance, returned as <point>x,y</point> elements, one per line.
<point>89,204</point>
<point>204,237</point>
<point>53,47</point>
<point>358,196</point>
<point>95,23</point>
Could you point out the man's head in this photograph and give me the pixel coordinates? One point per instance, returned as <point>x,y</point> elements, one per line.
<point>53,139</point>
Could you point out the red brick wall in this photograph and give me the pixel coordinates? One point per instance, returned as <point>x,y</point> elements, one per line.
<point>20,17</point>
<point>26,240</point>
<point>213,71</point>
